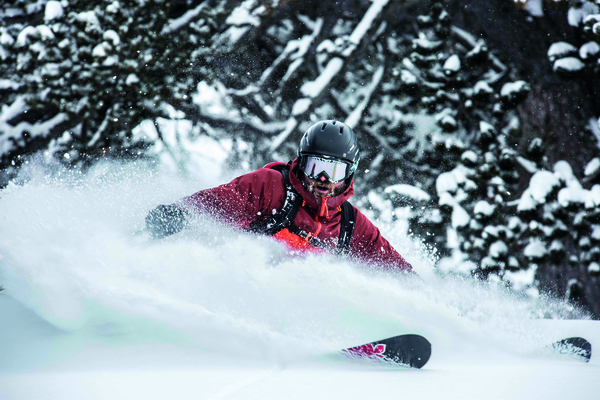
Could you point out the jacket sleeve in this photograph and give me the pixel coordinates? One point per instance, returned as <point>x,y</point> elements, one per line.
<point>368,245</point>
<point>242,201</point>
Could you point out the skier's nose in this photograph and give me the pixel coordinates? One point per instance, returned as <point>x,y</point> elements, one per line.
<point>322,178</point>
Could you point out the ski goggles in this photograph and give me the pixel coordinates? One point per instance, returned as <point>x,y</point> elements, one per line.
<point>334,170</point>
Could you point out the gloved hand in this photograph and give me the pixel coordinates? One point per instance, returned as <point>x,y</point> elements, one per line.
<point>165,220</point>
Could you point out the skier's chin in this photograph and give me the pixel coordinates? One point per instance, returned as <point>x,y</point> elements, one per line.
<point>322,192</point>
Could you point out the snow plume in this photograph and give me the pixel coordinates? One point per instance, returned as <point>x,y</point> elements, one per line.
<point>67,253</point>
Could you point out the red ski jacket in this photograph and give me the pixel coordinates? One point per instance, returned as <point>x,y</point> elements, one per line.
<point>253,196</point>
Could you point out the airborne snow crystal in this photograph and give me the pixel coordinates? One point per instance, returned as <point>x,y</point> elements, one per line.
<point>408,191</point>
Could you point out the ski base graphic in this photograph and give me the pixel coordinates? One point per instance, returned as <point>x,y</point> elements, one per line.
<point>408,350</point>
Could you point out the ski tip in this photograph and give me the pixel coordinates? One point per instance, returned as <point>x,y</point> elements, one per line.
<point>576,347</point>
<point>410,350</point>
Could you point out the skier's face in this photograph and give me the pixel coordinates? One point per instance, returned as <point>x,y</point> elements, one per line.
<point>321,187</point>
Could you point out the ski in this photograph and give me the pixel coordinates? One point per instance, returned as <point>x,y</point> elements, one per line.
<point>575,347</point>
<point>408,350</point>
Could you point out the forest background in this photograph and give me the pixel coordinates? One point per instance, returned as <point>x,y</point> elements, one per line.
<point>478,120</point>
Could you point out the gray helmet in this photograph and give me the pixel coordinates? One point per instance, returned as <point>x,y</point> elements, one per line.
<point>330,138</point>
<point>333,140</point>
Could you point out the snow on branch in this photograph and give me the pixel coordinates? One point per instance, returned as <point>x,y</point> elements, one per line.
<point>294,50</point>
<point>240,21</point>
<point>471,41</point>
<point>291,124</point>
<point>101,128</point>
<point>185,19</point>
<point>314,89</point>
<point>373,13</point>
<point>214,104</point>
<point>354,118</point>
<point>9,134</point>
<point>408,191</point>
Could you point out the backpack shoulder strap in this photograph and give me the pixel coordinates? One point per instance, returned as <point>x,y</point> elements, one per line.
<point>285,215</point>
<point>346,229</point>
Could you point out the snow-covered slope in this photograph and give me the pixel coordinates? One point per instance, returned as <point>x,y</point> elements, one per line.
<point>91,311</point>
<point>39,362</point>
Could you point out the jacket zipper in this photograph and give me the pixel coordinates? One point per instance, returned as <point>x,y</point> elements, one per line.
<point>323,212</point>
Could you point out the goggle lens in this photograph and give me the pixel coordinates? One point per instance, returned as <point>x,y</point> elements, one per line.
<point>334,170</point>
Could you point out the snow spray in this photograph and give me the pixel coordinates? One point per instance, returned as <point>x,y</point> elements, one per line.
<point>67,252</point>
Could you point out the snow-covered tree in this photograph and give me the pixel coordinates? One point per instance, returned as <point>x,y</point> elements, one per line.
<point>455,103</point>
<point>78,76</point>
<point>557,227</point>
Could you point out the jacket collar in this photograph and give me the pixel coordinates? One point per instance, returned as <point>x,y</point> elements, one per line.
<point>313,202</point>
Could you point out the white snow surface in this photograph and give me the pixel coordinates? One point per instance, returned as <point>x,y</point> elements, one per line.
<point>482,87</point>
<point>314,88</point>
<point>592,167</point>
<point>573,194</point>
<point>577,15</point>
<point>214,101</point>
<point>534,7</point>
<point>540,186</point>
<point>535,249</point>
<point>588,50</point>
<point>452,63</point>
<point>91,311</point>
<point>366,22</point>
<point>594,126</point>
<point>242,15</point>
<point>498,249</point>
<point>569,64</point>
<point>8,84</point>
<point>485,208</point>
<point>449,181</point>
<point>563,171</point>
<point>561,49</point>
<point>53,10</point>
<point>510,88</point>
<point>528,165</point>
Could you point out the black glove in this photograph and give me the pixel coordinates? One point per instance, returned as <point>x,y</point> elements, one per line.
<point>165,220</point>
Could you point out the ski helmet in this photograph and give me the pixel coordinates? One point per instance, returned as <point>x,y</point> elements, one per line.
<point>327,145</point>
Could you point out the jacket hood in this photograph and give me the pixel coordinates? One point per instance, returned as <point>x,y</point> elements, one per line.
<point>313,202</point>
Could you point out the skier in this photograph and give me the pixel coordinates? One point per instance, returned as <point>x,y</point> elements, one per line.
<point>302,204</point>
